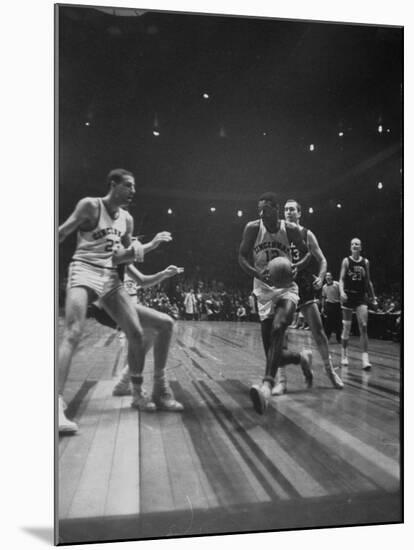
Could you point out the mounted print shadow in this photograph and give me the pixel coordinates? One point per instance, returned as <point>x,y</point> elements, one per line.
<point>228,274</point>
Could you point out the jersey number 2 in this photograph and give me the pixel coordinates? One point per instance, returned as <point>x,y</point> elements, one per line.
<point>109,247</point>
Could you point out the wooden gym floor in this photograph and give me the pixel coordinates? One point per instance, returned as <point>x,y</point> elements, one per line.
<point>318,457</point>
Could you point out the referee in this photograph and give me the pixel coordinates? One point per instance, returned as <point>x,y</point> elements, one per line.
<point>331,307</point>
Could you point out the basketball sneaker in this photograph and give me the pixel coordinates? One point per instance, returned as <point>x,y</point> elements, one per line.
<point>366,365</point>
<point>344,358</point>
<point>141,401</point>
<point>66,426</point>
<point>306,364</point>
<point>260,396</point>
<point>280,387</point>
<point>163,398</point>
<point>333,377</point>
<point>123,386</point>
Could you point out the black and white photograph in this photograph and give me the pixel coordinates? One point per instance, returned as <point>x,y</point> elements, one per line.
<point>190,187</point>
<point>228,274</point>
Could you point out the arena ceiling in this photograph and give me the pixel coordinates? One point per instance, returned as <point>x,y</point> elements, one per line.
<point>235,103</point>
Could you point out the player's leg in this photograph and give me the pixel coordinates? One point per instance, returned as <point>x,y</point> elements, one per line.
<point>121,308</point>
<point>276,356</point>
<point>346,332</point>
<point>75,315</point>
<point>337,321</point>
<point>327,321</point>
<point>313,318</point>
<point>362,317</point>
<point>163,326</point>
<point>280,386</point>
<point>266,331</point>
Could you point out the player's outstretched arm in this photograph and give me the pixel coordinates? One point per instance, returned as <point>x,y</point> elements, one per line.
<point>83,214</point>
<point>317,253</point>
<point>162,237</point>
<point>151,280</point>
<point>246,248</point>
<point>342,274</point>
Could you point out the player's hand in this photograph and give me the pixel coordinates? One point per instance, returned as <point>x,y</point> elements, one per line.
<point>264,276</point>
<point>162,237</point>
<point>173,270</point>
<point>317,282</point>
<point>343,297</point>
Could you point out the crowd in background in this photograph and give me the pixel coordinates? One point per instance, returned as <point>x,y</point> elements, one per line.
<point>200,301</point>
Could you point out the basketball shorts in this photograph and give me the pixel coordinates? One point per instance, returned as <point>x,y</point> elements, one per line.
<point>267,299</point>
<point>307,294</point>
<point>102,281</point>
<point>130,287</point>
<point>354,300</point>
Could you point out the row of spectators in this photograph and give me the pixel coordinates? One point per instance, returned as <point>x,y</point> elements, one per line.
<point>200,301</point>
<point>213,301</point>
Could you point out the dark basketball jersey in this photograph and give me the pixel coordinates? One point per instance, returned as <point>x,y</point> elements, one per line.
<point>356,276</point>
<point>312,267</point>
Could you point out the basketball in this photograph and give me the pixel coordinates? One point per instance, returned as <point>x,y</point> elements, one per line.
<point>280,272</point>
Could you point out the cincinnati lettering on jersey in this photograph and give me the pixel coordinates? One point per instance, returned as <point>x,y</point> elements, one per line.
<point>271,244</point>
<point>105,232</point>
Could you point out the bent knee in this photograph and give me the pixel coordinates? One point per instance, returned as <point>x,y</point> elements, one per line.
<point>168,324</point>
<point>73,333</point>
<point>134,332</point>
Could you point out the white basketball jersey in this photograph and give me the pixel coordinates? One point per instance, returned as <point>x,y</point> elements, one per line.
<point>96,247</point>
<point>266,247</point>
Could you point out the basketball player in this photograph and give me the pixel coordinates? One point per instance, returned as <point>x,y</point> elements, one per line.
<point>355,286</point>
<point>158,329</point>
<point>309,281</point>
<point>104,242</point>
<point>264,239</point>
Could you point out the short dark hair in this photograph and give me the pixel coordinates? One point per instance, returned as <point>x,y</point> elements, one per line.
<point>117,175</point>
<point>270,197</point>
<point>298,206</point>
